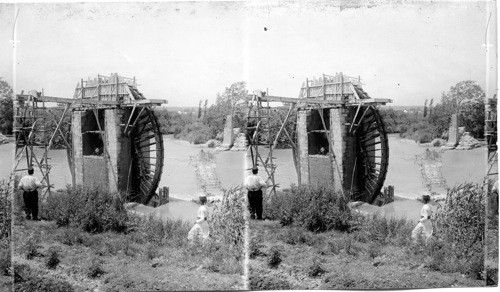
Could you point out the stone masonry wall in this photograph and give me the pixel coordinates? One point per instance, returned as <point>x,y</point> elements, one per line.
<point>76,136</point>
<point>93,169</point>
<point>303,147</point>
<point>118,148</point>
<point>320,171</point>
<point>344,146</point>
<point>337,131</point>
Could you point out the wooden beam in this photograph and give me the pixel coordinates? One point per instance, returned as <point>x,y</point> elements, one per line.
<point>322,102</point>
<point>77,101</point>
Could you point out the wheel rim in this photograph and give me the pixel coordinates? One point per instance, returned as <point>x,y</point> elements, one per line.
<point>147,157</point>
<point>372,154</point>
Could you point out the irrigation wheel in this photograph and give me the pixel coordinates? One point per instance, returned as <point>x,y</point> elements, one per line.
<point>372,153</point>
<point>147,156</point>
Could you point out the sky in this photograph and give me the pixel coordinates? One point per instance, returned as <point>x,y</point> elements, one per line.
<point>184,52</point>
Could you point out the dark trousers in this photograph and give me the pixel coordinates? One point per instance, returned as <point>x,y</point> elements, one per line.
<point>255,204</point>
<point>31,204</point>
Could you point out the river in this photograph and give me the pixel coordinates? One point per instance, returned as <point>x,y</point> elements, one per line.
<point>179,175</point>
<point>404,173</point>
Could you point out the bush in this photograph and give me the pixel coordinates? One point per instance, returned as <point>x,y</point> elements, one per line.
<point>382,230</point>
<point>422,132</point>
<point>152,251</point>
<point>227,224</point>
<point>315,269</point>
<point>351,247</point>
<point>295,236</point>
<point>335,246</point>
<point>28,280</point>
<point>90,209</point>
<point>274,258</point>
<point>196,133</point>
<point>170,232</point>
<point>459,231</point>
<point>5,205</point>
<point>5,257</point>
<point>254,248</point>
<point>262,280</point>
<point>94,268</point>
<point>31,246</point>
<point>374,250</point>
<point>52,258</point>
<point>460,219</point>
<point>315,209</point>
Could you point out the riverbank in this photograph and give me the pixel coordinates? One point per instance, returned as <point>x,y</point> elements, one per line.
<point>111,262</point>
<point>88,242</point>
<point>291,258</point>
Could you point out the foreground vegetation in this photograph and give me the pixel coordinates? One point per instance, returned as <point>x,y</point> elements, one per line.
<point>87,240</point>
<point>5,237</point>
<point>314,240</point>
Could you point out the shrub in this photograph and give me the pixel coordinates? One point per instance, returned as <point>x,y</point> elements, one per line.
<point>351,247</point>
<point>374,250</point>
<point>31,246</point>
<point>295,236</point>
<point>5,257</point>
<point>384,230</point>
<point>227,223</point>
<point>5,205</point>
<point>422,132</point>
<point>152,251</point>
<point>52,258</point>
<point>335,246</point>
<point>315,209</point>
<point>460,219</point>
<point>344,281</point>
<point>458,244</point>
<point>196,133</point>
<point>170,232</point>
<point>274,259</point>
<point>90,209</point>
<point>315,269</point>
<point>254,248</point>
<point>94,268</point>
<point>28,280</point>
<point>262,280</point>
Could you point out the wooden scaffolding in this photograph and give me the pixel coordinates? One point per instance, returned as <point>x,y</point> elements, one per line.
<point>35,137</point>
<point>31,137</point>
<point>326,92</point>
<point>491,135</point>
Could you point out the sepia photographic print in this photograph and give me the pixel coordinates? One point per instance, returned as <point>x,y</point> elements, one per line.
<point>248,145</point>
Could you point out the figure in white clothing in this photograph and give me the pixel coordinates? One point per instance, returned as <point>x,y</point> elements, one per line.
<point>424,227</point>
<point>200,230</point>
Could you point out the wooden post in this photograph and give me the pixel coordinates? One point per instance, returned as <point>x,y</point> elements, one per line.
<point>391,194</point>
<point>167,194</point>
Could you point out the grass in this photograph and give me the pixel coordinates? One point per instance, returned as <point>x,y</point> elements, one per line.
<point>118,251</point>
<point>365,252</point>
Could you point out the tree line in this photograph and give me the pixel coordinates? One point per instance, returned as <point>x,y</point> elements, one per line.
<point>466,99</point>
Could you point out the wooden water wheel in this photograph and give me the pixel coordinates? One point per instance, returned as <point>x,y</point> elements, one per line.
<point>372,154</point>
<point>147,156</point>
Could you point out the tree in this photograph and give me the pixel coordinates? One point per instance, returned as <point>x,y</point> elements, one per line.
<point>430,106</point>
<point>425,107</point>
<point>231,101</point>
<point>466,99</point>
<point>6,108</point>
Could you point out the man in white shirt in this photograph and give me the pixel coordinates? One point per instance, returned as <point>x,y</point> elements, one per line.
<point>29,184</point>
<point>254,185</point>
